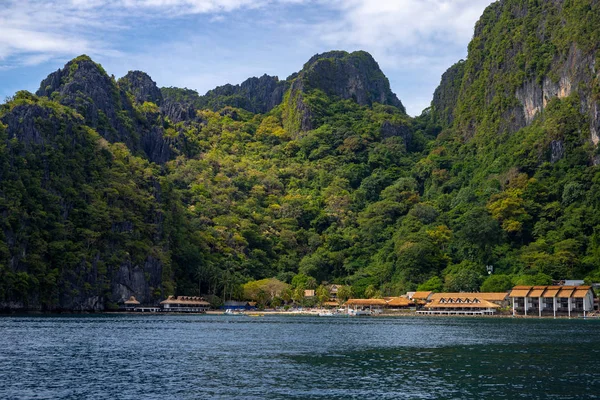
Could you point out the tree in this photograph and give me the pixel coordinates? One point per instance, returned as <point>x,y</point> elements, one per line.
<point>370,291</point>
<point>464,277</point>
<point>298,295</point>
<point>267,288</point>
<point>433,284</point>
<point>322,294</point>
<point>497,283</point>
<point>343,294</point>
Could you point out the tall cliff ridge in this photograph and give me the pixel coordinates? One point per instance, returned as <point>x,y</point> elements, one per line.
<point>523,55</point>
<point>337,74</point>
<point>86,87</point>
<point>446,95</point>
<point>81,226</point>
<point>257,95</point>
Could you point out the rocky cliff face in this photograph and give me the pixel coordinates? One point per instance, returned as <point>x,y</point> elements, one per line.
<point>338,74</point>
<point>142,87</point>
<point>523,55</point>
<point>84,86</point>
<point>77,214</point>
<point>257,95</point>
<point>354,76</point>
<point>446,95</point>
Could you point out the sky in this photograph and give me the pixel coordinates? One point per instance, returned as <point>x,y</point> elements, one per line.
<point>201,44</point>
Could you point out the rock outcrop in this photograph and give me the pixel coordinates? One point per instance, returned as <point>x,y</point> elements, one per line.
<point>523,55</point>
<point>84,86</point>
<point>446,95</point>
<point>257,95</point>
<point>338,74</point>
<point>142,87</point>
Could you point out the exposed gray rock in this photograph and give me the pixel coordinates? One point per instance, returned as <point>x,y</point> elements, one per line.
<point>350,76</point>
<point>354,76</point>
<point>84,86</point>
<point>446,95</point>
<point>557,149</point>
<point>257,95</point>
<point>130,280</point>
<point>142,87</point>
<point>389,129</point>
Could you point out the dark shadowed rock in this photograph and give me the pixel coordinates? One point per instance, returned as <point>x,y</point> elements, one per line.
<point>84,86</point>
<point>446,95</point>
<point>354,76</point>
<point>389,129</point>
<point>257,95</point>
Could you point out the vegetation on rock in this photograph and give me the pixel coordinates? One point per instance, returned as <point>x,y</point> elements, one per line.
<point>116,188</point>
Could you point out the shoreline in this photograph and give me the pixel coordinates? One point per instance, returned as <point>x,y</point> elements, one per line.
<point>307,313</point>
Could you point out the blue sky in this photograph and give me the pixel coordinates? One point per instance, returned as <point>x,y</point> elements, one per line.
<point>201,44</point>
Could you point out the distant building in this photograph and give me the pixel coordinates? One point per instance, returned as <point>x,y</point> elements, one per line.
<point>464,304</point>
<point>309,293</point>
<point>365,306</point>
<point>574,282</point>
<point>184,304</point>
<point>376,306</point>
<point>552,300</point>
<point>131,304</point>
<point>397,303</point>
<point>333,291</point>
<point>499,298</point>
<point>419,296</point>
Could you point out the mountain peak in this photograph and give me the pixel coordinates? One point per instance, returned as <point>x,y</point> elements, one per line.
<point>346,75</point>
<point>142,87</point>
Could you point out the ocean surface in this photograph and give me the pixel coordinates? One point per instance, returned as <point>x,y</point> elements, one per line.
<point>280,357</point>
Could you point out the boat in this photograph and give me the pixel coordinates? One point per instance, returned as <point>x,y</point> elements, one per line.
<point>358,313</point>
<point>329,314</point>
<point>229,311</point>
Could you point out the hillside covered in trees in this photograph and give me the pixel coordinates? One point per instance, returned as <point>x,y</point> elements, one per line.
<point>115,187</point>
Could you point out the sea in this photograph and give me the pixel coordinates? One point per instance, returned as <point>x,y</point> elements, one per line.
<point>297,357</point>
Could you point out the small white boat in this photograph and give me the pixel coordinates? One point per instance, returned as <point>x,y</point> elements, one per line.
<point>358,313</point>
<point>328,314</point>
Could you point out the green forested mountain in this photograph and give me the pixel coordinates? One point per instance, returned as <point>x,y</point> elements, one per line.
<point>111,188</point>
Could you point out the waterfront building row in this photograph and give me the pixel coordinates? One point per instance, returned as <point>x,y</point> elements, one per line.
<point>552,300</point>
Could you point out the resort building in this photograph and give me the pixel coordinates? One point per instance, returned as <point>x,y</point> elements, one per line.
<point>499,298</point>
<point>131,304</point>
<point>376,306</point>
<point>463,304</point>
<point>397,303</point>
<point>420,297</point>
<point>552,300</point>
<point>365,306</point>
<point>333,290</point>
<point>184,304</point>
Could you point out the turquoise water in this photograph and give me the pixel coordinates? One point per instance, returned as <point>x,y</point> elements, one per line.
<point>225,357</point>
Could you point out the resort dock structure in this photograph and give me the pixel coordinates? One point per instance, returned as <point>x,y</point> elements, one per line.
<point>185,304</point>
<point>465,304</point>
<point>372,306</point>
<point>558,300</point>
